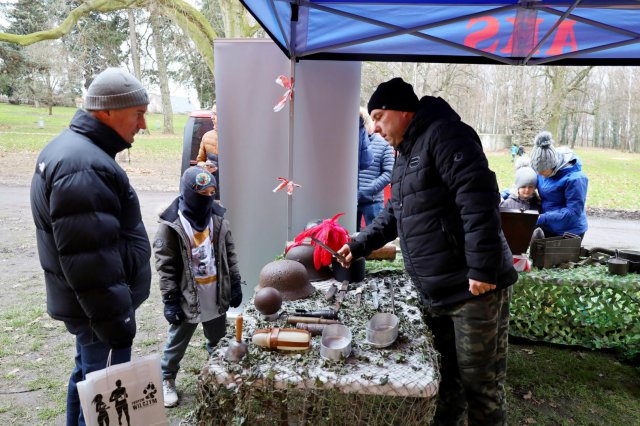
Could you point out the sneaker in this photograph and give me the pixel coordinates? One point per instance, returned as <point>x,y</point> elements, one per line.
<point>170,393</point>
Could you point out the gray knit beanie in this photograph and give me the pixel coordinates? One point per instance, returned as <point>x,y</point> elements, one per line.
<point>525,175</point>
<point>543,155</point>
<point>115,88</point>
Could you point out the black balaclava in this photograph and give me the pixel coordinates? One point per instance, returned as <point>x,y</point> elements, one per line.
<point>195,207</point>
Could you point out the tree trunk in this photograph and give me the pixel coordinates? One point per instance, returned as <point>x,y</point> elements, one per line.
<point>234,19</point>
<point>167,111</point>
<point>133,40</point>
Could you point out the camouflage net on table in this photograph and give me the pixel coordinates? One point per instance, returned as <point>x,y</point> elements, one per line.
<point>390,386</point>
<point>585,306</point>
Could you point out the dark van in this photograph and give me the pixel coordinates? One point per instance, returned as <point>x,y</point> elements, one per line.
<point>198,123</point>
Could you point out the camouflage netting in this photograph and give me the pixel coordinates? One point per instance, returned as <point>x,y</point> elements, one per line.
<point>584,306</point>
<point>394,385</point>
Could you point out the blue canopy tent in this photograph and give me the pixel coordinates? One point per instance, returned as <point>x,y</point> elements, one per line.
<point>556,32</point>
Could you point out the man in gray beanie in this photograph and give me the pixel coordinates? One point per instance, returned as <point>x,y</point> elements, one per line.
<point>92,244</point>
<point>444,208</point>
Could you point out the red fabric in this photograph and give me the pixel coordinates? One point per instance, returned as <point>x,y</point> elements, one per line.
<point>330,233</point>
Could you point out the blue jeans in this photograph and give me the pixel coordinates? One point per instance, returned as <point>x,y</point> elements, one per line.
<point>369,211</point>
<point>91,355</point>
<point>178,340</point>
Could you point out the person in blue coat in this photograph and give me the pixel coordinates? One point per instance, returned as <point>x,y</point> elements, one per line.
<point>562,186</point>
<point>373,179</point>
<point>365,156</point>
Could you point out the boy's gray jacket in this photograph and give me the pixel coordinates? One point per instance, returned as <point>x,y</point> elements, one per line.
<point>173,262</point>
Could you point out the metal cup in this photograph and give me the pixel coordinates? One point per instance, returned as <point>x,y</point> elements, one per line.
<point>382,329</point>
<point>335,342</point>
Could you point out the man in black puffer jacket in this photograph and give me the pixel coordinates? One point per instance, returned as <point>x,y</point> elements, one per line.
<point>92,244</point>
<point>444,208</point>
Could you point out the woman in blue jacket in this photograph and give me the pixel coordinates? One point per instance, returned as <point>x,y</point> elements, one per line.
<point>562,187</point>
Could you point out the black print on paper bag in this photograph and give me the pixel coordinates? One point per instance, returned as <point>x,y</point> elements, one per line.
<point>101,409</point>
<point>119,395</point>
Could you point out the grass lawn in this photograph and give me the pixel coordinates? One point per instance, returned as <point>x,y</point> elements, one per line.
<point>549,385</point>
<point>19,131</point>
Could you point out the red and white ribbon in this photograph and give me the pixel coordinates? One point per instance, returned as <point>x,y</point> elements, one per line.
<point>288,95</point>
<point>290,185</point>
<point>521,263</point>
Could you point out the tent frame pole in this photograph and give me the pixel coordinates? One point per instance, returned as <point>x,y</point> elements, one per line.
<point>410,31</point>
<point>551,31</point>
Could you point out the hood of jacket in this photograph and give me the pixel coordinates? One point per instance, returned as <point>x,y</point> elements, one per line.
<point>569,162</point>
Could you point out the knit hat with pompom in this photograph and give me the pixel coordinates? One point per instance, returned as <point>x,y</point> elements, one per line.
<point>543,155</point>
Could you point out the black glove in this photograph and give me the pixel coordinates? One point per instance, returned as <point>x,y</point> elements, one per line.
<point>173,312</point>
<point>236,296</point>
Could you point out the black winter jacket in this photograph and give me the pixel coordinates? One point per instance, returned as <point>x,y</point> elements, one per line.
<point>92,244</point>
<point>444,208</point>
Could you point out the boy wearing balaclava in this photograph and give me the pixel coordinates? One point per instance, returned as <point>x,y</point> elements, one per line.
<point>198,270</point>
<point>562,186</point>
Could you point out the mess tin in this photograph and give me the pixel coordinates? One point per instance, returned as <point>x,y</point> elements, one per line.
<point>335,342</point>
<point>382,329</point>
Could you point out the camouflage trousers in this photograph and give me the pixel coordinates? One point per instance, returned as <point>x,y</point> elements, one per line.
<point>471,338</point>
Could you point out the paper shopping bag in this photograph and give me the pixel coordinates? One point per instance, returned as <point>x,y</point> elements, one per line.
<point>130,393</point>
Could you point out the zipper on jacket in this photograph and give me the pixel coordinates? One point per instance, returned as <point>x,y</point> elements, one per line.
<point>186,258</point>
<point>218,257</point>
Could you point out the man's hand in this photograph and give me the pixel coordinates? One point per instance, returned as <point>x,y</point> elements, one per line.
<point>345,251</point>
<point>478,287</point>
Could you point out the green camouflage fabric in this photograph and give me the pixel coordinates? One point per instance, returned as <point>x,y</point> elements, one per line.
<point>471,338</point>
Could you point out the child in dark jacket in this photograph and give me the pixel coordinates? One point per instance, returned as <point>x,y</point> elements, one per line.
<point>198,271</point>
<point>523,196</point>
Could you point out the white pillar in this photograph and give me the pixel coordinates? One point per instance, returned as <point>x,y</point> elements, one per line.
<point>254,146</point>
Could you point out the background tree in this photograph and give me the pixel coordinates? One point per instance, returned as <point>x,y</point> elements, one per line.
<point>25,17</point>
<point>191,22</point>
<point>565,86</point>
<point>163,79</point>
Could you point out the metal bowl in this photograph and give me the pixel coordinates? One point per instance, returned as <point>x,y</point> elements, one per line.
<point>382,330</point>
<point>335,342</point>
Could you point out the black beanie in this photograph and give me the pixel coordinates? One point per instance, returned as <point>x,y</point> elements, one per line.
<point>395,94</point>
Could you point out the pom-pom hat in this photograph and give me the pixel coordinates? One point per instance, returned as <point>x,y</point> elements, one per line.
<point>544,155</point>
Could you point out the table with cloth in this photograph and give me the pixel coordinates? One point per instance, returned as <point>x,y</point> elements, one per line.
<point>373,386</point>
